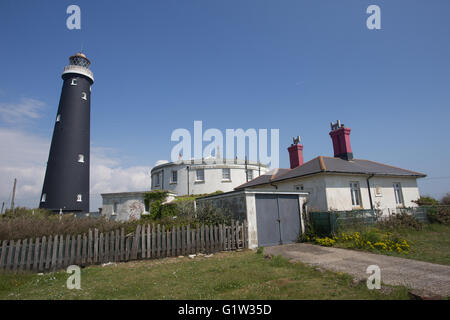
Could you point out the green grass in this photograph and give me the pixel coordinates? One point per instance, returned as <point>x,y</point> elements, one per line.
<point>232,275</point>
<point>431,244</point>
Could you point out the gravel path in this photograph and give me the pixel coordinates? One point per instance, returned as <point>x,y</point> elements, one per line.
<point>413,274</point>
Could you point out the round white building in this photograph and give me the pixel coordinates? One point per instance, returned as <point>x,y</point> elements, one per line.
<point>204,176</point>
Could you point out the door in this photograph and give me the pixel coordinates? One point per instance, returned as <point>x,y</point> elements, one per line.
<point>277,219</point>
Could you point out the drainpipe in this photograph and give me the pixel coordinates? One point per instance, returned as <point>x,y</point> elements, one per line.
<point>368,189</point>
<point>187,168</point>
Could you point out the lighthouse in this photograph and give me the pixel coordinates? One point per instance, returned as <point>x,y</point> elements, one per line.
<point>66,182</point>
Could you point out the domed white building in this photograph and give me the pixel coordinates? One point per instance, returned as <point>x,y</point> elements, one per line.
<point>187,177</point>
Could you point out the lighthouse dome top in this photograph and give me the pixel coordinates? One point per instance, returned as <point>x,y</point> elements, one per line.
<point>80,59</point>
<point>79,64</point>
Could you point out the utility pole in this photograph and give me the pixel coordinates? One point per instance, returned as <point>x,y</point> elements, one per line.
<point>13,195</point>
<point>3,205</point>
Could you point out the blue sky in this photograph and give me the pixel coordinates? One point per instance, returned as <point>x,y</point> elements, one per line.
<point>291,65</point>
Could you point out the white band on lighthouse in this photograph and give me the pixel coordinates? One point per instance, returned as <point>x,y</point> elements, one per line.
<point>80,70</point>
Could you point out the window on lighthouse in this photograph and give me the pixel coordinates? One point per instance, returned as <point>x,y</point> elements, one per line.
<point>79,198</point>
<point>58,118</point>
<point>74,82</point>
<point>84,96</point>
<point>81,158</point>
<point>44,196</point>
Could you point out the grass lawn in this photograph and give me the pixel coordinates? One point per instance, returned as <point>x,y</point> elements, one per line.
<point>231,275</point>
<point>431,244</point>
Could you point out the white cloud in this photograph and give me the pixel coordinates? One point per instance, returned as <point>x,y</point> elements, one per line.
<point>24,156</point>
<point>108,176</point>
<point>26,109</point>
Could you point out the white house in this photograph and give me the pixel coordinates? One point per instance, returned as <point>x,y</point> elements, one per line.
<point>182,178</point>
<point>276,202</point>
<point>204,175</point>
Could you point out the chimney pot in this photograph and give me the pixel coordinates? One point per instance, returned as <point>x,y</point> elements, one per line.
<point>296,153</point>
<point>340,135</point>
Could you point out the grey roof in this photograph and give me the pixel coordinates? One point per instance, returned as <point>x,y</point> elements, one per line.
<point>264,178</point>
<point>332,165</point>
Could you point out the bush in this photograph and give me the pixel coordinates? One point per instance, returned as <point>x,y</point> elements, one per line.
<point>401,220</point>
<point>426,201</point>
<point>208,214</point>
<point>446,199</point>
<point>371,240</point>
<point>169,210</point>
<point>28,225</point>
<point>439,215</point>
<point>155,209</point>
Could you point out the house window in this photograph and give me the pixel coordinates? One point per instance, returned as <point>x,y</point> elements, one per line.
<point>79,199</point>
<point>73,82</point>
<point>398,193</point>
<point>84,96</point>
<point>356,195</point>
<point>44,196</point>
<point>58,118</point>
<point>250,174</point>
<point>156,179</point>
<point>146,205</point>
<point>114,212</point>
<point>81,158</point>
<point>200,175</point>
<point>174,176</point>
<point>226,175</point>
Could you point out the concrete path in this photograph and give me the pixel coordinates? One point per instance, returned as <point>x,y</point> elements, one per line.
<point>413,274</point>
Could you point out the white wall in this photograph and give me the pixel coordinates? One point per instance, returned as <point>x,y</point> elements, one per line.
<point>213,177</point>
<point>332,191</point>
<point>129,206</point>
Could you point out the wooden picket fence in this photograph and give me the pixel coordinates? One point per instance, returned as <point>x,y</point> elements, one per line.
<point>52,253</point>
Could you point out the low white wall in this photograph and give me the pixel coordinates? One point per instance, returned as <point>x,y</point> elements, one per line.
<point>129,206</point>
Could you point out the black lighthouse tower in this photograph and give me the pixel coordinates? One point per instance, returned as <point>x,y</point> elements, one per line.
<point>66,182</point>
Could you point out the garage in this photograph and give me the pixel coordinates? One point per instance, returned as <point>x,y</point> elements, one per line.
<point>277,218</point>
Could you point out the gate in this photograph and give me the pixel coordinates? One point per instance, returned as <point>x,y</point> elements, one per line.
<point>277,218</point>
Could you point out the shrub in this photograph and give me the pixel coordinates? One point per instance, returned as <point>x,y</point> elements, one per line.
<point>169,210</point>
<point>426,201</point>
<point>400,220</point>
<point>372,240</point>
<point>27,226</point>
<point>208,214</point>
<point>439,215</point>
<point>155,209</point>
<point>446,199</point>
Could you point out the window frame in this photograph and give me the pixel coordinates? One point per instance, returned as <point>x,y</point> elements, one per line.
<point>356,198</point>
<point>398,194</point>
<point>197,175</point>
<point>44,197</point>
<point>115,208</point>
<point>226,177</point>
<point>248,175</point>
<point>79,197</point>
<point>84,95</point>
<point>172,180</point>
<point>74,82</point>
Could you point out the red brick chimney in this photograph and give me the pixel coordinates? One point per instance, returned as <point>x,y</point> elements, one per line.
<point>341,141</point>
<point>296,153</point>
